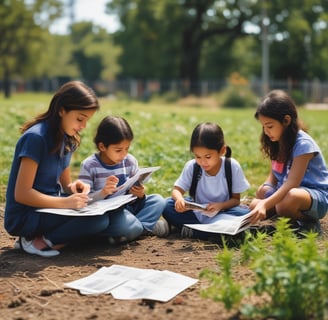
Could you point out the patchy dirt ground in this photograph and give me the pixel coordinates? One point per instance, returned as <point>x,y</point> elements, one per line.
<point>31,287</point>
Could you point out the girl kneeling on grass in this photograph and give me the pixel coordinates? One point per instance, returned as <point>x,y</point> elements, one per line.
<point>297,185</point>
<point>208,146</point>
<point>40,174</point>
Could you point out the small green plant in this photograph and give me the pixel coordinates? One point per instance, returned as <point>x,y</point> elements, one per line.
<point>290,276</point>
<point>230,292</point>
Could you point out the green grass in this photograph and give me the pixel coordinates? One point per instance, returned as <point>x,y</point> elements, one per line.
<point>162,133</point>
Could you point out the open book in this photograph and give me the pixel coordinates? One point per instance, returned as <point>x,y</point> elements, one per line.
<point>190,205</point>
<point>225,223</point>
<point>117,200</point>
<point>96,208</point>
<point>142,176</point>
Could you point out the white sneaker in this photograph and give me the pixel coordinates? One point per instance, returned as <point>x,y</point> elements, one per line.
<point>161,228</point>
<point>27,246</point>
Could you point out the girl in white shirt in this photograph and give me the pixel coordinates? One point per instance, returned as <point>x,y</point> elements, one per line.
<point>210,152</point>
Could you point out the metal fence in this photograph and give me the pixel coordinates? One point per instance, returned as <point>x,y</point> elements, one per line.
<point>312,91</point>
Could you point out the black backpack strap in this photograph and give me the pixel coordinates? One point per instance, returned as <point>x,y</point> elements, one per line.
<point>228,173</point>
<point>195,177</point>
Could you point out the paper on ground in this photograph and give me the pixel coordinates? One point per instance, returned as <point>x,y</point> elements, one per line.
<point>96,208</point>
<point>95,284</point>
<point>224,223</point>
<point>133,283</point>
<point>161,286</point>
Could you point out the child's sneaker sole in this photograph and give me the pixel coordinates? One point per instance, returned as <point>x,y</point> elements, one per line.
<point>161,229</point>
<point>187,232</point>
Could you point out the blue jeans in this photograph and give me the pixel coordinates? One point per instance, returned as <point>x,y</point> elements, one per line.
<point>136,217</point>
<point>178,219</point>
<point>65,229</point>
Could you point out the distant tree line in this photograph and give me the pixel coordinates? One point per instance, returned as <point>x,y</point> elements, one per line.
<point>186,40</point>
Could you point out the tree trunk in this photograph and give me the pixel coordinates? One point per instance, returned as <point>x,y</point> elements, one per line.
<point>6,84</point>
<point>190,63</point>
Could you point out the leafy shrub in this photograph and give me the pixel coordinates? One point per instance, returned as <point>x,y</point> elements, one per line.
<point>298,97</point>
<point>290,276</point>
<point>239,97</point>
<point>237,93</point>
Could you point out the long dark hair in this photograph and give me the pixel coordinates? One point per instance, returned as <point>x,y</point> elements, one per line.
<point>73,95</point>
<point>113,130</point>
<point>277,104</point>
<point>210,136</point>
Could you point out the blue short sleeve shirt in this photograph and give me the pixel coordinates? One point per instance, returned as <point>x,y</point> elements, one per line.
<point>36,143</point>
<point>316,174</point>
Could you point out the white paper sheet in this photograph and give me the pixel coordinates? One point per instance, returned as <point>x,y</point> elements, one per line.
<point>96,208</point>
<point>161,286</point>
<point>142,176</point>
<point>128,283</point>
<point>224,223</point>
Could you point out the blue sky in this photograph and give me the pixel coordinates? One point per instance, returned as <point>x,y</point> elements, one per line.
<point>87,10</point>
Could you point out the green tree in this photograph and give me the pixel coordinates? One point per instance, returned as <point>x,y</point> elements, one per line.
<point>241,55</point>
<point>22,26</point>
<point>140,38</point>
<point>166,38</point>
<point>94,52</point>
<point>206,20</point>
<point>188,39</point>
<point>56,59</point>
<point>298,33</point>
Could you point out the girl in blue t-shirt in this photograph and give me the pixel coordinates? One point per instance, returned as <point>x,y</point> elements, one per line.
<point>40,175</point>
<point>210,152</point>
<point>297,185</point>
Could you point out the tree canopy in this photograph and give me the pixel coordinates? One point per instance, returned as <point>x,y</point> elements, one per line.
<point>185,40</point>
<point>29,51</point>
<point>22,27</point>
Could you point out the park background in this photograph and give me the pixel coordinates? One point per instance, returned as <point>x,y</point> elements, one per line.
<point>174,62</point>
<point>168,48</point>
<point>167,66</point>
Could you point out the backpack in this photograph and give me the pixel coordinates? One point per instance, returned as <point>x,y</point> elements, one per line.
<point>198,172</point>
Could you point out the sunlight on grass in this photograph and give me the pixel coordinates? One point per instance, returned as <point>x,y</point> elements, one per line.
<point>162,133</point>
